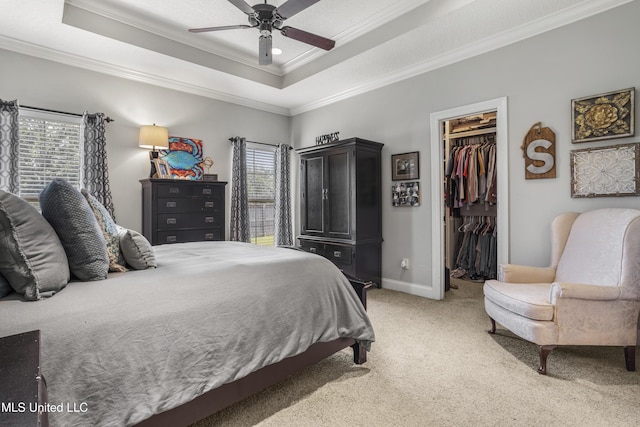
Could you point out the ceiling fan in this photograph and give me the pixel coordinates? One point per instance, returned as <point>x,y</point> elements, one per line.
<point>266,18</point>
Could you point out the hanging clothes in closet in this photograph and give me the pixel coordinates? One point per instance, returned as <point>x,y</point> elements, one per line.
<point>477,251</point>
<point>471,173</point>
<point>471,189</point>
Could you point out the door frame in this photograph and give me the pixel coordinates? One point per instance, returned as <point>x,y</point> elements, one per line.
<point>437,185</point>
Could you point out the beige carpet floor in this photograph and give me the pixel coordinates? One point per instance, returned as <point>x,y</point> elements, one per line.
<point>434,364</point>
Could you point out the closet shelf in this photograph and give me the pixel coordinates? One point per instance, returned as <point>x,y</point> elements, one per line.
<point>472,133</point>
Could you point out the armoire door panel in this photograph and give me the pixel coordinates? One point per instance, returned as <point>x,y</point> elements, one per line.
<point>313,195</point>
<point>339,194</point>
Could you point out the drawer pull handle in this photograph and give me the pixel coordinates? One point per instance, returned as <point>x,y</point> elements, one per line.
<point>337,254</point>
<point>208,204</point>
<point>206,191</point>
<point>172,239</point>
<point>172,221</point>
<point>208,219</point>
<point>171,204</point>
<point>174,190</point>
<point>208,236</point>
<point>313,250</point>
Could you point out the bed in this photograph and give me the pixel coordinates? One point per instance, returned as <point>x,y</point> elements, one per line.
<point>212,323</point>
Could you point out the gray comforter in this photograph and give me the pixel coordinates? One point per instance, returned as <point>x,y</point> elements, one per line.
<point>143,342</point>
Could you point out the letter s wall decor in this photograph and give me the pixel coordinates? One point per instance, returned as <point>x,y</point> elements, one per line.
<point>539,152</point>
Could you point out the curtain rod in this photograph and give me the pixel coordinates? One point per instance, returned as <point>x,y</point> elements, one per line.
<point>107,119</point>
<point>261,143</point>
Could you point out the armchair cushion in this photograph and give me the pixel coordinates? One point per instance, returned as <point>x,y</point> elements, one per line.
<point>530,300</point>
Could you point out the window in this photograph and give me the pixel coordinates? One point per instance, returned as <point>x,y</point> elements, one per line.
<point>50,147</point>
<point>261,182</point>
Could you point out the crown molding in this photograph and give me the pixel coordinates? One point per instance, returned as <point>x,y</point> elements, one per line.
<point>531,29</point>
<point>41,52</point>
<point>396,9</point>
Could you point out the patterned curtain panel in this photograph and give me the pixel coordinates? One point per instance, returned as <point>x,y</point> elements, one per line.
<point>283,229</point>
<point>239,194</point>
<point>96,173</point>
<point>9,146</point>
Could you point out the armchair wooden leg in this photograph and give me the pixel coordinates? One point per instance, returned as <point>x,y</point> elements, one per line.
<point>544,352</point>
<point>630,357</point>
<point>493,326</point>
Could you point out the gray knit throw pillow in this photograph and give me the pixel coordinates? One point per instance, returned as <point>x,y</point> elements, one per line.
<point>73,220</point>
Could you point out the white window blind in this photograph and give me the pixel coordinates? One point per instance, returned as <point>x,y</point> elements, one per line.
<point>261,183</point>
<point>50,147</point>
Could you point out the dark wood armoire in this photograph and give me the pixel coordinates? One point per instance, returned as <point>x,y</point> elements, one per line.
<point>341,205</point>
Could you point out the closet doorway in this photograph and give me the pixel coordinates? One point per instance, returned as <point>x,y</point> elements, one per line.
<point>443,239</point>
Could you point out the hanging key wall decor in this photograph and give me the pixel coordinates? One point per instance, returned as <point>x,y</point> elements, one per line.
<point>539,152</point>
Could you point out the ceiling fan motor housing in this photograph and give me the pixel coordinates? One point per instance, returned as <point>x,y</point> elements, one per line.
<point>266,18</point>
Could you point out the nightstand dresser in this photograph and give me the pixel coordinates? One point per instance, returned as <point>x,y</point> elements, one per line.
<point>175,211</point>
<point>23,391</point>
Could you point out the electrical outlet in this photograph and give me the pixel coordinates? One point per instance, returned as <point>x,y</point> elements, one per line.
<point>405,263</point>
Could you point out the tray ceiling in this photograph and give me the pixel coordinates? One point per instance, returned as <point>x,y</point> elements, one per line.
<point>378,42</point>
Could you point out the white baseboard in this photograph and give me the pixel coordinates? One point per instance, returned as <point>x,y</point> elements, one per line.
<point>410,288</point>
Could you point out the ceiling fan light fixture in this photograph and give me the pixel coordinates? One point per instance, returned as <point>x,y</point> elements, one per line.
<point>265,17</point>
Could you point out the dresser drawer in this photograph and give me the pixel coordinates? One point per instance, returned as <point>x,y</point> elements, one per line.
<point>338,254</point>
<point>188,204</point>
<point>172,221</point>
<point>207,190</point>
<point>182,189</point>
<point>313,247</point>
<point>177,189</point>
<point>181,236</point>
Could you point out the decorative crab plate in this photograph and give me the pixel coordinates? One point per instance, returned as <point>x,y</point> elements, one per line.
<point>184,157</point>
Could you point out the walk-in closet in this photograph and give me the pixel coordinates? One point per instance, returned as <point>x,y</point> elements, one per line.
<point>470,198</point>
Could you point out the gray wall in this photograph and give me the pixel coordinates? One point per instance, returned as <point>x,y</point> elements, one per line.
<point>539,76</point>
<point>52,85</point>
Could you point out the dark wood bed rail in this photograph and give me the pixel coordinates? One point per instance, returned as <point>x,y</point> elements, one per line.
<point>230,393</point>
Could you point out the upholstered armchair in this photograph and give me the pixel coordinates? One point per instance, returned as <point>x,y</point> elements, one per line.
<point>589,295</point>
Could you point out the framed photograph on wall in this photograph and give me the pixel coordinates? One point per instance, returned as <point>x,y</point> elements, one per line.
<point>604,116</point>
<point>163,170</point>
<point>405,194</point>
<point>405,166</point>
<point>606,171</point>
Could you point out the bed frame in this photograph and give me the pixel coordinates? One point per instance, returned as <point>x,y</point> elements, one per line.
<point>230,393</point>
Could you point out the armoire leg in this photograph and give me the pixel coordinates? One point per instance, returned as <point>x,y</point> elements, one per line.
<point>630,357</point>
<point>544,352</point>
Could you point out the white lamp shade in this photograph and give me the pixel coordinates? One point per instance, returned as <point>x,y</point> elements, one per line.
<point>152,137</point>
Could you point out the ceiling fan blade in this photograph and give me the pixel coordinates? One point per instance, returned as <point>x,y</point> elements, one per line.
<point>290,8</point>
<point>226,27</point>
<point>265,50</point>
<point>309,38</point>
<point>243,6</point>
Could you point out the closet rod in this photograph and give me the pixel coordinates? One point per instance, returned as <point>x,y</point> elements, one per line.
<point>261,143</point>
<point>107,119</point>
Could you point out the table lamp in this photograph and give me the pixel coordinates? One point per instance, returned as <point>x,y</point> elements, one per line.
<point>152,136</point>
